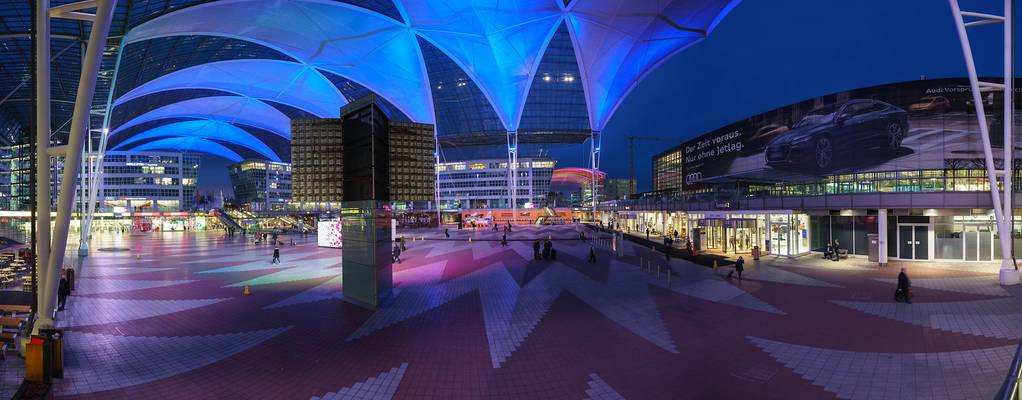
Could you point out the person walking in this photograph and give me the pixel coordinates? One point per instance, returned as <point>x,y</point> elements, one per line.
<point>546,249</point>
<point>397,254</point>
<point>402,241</point>
<point>447,233</point>
<point>904,287</point>
<point>592,255</point>
<point>503,240</point>
<point>63,290</point>
<point>739,267</point>
<point>276,255</point>
<point>535,249</point>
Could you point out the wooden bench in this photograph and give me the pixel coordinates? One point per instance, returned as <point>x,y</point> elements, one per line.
<point>15,309</point>
<point>12,322</point>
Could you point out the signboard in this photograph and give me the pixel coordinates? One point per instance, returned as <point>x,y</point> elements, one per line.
<point>328,233</point>
<point>916,125</point>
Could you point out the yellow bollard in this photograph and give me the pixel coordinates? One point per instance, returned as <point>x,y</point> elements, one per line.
<point>247,291</point>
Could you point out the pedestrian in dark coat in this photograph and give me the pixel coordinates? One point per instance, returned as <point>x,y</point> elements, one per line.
<point>739,267</point>
<point>546,249</point>
<point>904,284</point>
<point>447,233</point>
<point>397,254</point>
<point>63,290</point>
<point>592,255</point>
<point>276,255</point>
<point>503,240</point>
<point>535,249</point>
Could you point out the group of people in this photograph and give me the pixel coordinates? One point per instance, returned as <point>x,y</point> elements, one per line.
<point>546,252</point>
<point>833,250</point>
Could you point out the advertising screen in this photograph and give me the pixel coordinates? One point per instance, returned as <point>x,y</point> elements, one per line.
<point>917,125</point>
<point>328,233</point>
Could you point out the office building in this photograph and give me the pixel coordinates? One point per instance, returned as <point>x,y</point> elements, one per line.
<point>148,181</point>
<point>617,188</point>
<point>261,185</point>
<point>316,164</point>
<point>484,183</point>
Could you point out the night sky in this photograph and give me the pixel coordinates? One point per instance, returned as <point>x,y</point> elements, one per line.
<point>770,53</point>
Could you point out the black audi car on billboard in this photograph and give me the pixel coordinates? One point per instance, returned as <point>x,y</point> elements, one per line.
<point>828,135</point>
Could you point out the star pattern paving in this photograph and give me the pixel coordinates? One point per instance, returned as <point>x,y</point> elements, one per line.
<point>473,319</point>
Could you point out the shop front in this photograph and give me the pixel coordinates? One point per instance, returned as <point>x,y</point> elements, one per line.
<point>777,232</point>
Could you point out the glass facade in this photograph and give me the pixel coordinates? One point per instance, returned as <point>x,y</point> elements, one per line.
<point>779,232</point>
<point>556,100</point>
<point>459,105</point>
<point>667,170</point>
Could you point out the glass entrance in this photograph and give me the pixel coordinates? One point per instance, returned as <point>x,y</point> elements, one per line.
<point>978,243</point>
<point>779,238</point>
<point>743,235</point>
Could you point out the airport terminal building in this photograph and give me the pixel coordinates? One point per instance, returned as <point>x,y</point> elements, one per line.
<point>900,161</point>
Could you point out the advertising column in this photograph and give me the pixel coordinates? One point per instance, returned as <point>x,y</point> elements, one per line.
<point>365,214</point>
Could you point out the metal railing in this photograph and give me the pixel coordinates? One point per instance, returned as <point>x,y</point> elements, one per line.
<point>1012,387</point>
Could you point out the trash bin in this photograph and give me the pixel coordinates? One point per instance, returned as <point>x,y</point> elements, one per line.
<point>38,362</point>
<point>755,253</point>
<point>874,246</point>
<point>56,338</point>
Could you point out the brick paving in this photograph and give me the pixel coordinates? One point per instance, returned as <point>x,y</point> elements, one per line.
<point>473,319</point>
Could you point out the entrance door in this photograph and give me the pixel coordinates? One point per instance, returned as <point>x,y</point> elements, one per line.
<point>906,242</point>
<point>978,243</point>
<point>922,247</point>
<point>986,241</point>
<point>971,243</point>
<point>779,238</point>
<point>913,242</point>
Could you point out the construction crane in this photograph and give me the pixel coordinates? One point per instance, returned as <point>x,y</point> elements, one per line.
<point>631,157</point>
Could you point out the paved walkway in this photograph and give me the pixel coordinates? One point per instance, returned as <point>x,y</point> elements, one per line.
<point>473,319</point>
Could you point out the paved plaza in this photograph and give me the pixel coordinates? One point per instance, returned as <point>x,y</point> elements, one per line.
<point>472,319</point>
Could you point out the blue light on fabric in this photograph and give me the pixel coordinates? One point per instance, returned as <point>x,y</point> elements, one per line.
<point>207,130</point>
<point>190,144</point>
<point>371,49</point>
<point>293,84</point>
<point>232,109</point>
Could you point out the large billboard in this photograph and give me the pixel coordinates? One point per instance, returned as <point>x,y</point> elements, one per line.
<point>916,125</point>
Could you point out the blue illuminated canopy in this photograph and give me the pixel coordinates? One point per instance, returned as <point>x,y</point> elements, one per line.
<point>499,45</point>
<point>202,129</point>
<point>368,48</point>
<point>190,144</point>
<point>231,109</point>
<point>296,85</point>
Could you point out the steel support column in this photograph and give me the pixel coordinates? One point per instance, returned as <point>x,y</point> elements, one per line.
<point>436,178</point>
<point>594,166</point>
<point>512,173</point>
<point>83,104</point>
<point>1008,274</point>
<point>42,134</point>
<point>882,235</point>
